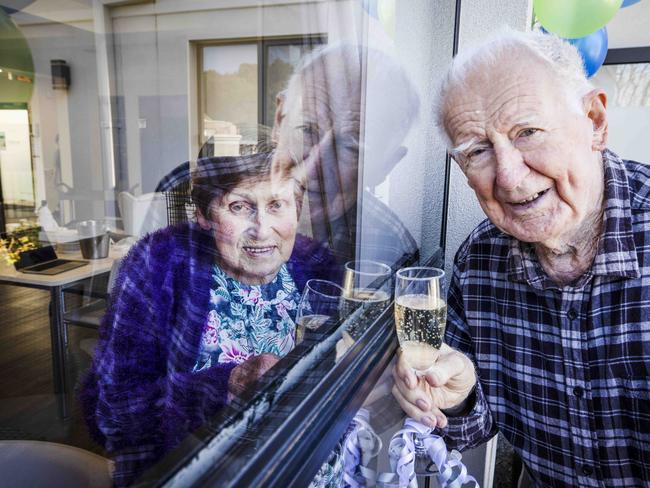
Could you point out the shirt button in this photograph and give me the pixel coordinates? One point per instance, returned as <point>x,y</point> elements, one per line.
<point>587,470</point>
<point>578,391</point>
<point>572,314</point>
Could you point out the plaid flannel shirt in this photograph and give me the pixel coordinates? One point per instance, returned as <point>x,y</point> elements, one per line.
<point>564,372</point>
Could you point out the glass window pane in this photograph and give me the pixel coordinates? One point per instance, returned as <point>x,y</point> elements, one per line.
<point>16,166</point>
<point>223,254</point>
<point>281,61</point>
<point>229,99</point>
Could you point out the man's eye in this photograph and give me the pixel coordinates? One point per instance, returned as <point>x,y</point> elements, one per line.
<point>528,132</point>
<point>475,152</point>
<point>308,129</point>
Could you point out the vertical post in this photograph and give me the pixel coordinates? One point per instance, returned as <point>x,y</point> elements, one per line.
<point>59,349</point>
<point>105,87</point>
<point>445,198</point>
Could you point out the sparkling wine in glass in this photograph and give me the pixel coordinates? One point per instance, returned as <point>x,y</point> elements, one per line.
<point>420,315</point>
<point>320,302</point>
<point>367,286</point>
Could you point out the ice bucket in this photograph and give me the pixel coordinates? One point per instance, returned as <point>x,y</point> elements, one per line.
<point>94,239</point>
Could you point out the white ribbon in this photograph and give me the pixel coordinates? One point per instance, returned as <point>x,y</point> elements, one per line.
<point>360,447</point>
<point>452,473</point>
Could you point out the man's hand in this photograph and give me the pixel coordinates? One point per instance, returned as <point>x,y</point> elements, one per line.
<point>247,373</point>
<point>444,385</point>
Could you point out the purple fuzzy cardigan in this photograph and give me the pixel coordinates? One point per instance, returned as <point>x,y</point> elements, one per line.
<point>140,398</point>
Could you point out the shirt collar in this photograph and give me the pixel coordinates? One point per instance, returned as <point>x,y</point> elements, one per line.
<point>616,255</point>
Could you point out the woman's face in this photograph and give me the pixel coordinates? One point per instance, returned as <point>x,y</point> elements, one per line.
<point>254,228</point>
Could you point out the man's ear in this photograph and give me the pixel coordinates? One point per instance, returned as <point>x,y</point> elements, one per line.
<point>279,116</point>
<point>595,103</point>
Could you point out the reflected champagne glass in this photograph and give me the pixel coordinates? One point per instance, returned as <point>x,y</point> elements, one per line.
<point>320,302</point>
<point>367,286</point>
<point>420,315</point>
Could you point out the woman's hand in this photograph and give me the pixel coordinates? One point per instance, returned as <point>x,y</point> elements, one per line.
<point>446,384</point>
<point>248,372</point>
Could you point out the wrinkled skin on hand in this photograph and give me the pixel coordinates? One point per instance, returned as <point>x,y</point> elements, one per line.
<point>446,384</point>
<point>248,372</point>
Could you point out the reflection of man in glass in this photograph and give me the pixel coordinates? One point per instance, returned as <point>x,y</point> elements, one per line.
<point>319,121</point>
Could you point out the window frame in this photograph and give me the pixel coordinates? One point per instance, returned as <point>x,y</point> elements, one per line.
<point>262,43</point>
<point>628,55</point>
<point>293,445</point>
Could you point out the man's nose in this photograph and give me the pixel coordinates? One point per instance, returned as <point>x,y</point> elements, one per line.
<point>511,167</point>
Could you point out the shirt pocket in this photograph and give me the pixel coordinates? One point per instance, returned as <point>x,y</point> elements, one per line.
<point>638,387</point>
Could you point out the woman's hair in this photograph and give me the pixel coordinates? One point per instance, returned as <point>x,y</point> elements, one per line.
<point>215,177</point>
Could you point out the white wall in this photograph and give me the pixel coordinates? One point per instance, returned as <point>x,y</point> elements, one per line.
<point>155,71</point>
<point>479,19</point>
<point>629,27</point>
<point>425,46</point>
<point>65,124</point>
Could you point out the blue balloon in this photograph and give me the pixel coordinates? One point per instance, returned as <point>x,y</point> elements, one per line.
<point>592,48</point>
<point>627,3</point>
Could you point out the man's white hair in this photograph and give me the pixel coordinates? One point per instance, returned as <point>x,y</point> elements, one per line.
<point>561,59</point>
<point>385,98</point>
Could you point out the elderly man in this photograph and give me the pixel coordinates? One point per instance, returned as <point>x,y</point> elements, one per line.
<point>548,297</point>
<point>320,121</point>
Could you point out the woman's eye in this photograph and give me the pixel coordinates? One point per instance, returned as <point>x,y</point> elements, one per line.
<point>276,205</point>
<point>239,208</point>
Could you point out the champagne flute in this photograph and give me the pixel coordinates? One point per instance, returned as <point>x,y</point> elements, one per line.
<point>367,286</point>
<point>320,302</point>
<point>420,315</point>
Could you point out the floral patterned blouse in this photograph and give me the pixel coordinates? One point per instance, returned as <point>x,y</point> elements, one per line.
<point>248,320</point>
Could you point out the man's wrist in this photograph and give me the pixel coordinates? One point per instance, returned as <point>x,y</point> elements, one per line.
<point>464,407</point>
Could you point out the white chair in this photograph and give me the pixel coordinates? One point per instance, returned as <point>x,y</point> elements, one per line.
<point>39,463</point>
<point>142,214</point>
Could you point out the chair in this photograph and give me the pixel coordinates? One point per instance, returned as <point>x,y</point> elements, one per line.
<point>91,315</point>
<point>40,463</point>
<point>176,186</point>
<point>142,214</point>
<point>180,207</point>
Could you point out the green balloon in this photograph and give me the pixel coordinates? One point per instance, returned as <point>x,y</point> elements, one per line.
<point>575,18</point>
<point>16,63</point>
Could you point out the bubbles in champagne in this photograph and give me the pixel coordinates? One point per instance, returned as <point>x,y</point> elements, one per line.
<point>371,302</point>
<point>420,318</point>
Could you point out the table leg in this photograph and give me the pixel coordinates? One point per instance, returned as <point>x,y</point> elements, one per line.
<point>59,350</point>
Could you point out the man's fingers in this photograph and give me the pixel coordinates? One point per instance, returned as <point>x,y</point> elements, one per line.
<point>447,366</point>
<point>403,372</point>
<point>412,410</point>
<point>430,416</point>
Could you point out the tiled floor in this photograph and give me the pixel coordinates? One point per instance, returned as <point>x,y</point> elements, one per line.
<point>28,407</point>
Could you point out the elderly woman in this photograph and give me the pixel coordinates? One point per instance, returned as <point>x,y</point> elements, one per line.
<point>198,312</point>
